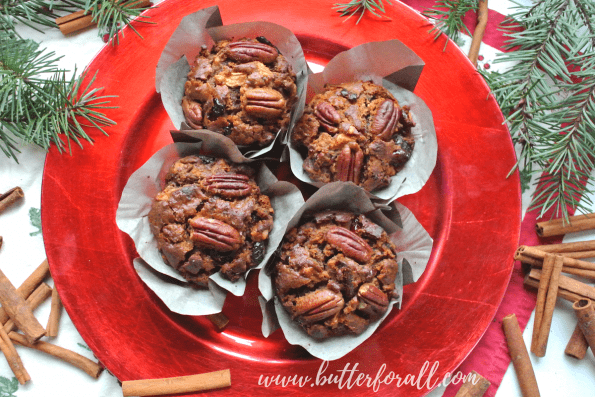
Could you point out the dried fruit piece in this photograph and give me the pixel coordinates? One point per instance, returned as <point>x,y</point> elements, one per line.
<point>265,103</point>
<point>349,163</point>
<point>349,243</point>
<point>372,298</point>
<point>318,305</point>
<point>248,51</point>
<point>214,234</point>
<point>328,116</point>
<point>386,119</point>
<point>228,185</point>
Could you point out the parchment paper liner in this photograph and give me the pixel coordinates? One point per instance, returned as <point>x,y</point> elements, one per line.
<point>413,243</point>
<point>205,27</point>
<point>135,204</point>
<point>395,67</point>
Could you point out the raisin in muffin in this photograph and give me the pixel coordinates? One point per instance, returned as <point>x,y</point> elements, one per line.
<point>243,89</point>
<point>355,132</point>
<point>335,274</point>
<point>211,217</point>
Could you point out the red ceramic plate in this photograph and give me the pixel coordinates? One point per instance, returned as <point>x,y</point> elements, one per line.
<point>468,206</point>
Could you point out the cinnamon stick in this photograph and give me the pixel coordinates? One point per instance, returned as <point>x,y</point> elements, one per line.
<point>535,262</point>
<point>546,274</point>
<point>89,366</point>
<point>34,300</point>
<point>180,384</point>
<point>585,312</point>
<point>526,251</point>
<point>474,386</point>
<point>1,241</point>
<point>520,356</point>
<point>578,246</point>
<point>55,312</point>
<point>558,227</point>
<point>482,22</point>
<point>548,311</point>
<point>18,310</point>
<point>577,345</point>
<point>568,284</point>
<point>219,319</point>
<point>569,296</point>
<point>13,358</point>
<point>10,197</point>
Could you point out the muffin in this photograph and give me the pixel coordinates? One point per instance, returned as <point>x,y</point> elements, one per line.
<point>354,132</point>
<point>335,274</point>
<point>243,89</point>
<point>211,217</point>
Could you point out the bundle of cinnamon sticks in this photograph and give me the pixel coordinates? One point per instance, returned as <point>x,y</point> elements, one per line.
<point>548,262</point>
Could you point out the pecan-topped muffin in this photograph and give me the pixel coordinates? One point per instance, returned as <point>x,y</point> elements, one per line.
<point>211,217</point>
<point>243,89</point>
<point>355,132</point>
<point>335,274</point>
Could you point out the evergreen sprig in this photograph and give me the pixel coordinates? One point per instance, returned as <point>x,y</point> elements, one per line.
<point>112,15</point>
<point>34,13</point>
<point>361,6</point>
<point>39,104</point>
<point>548,98</point>
<point>448,15</point>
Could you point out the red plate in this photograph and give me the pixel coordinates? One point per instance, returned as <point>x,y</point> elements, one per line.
<point>468,206</point>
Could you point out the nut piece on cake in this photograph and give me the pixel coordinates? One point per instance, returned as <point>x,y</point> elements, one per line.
<point>243,89</point>
<point>335,274</point>
<point>354,132</point>
<point>211,217</point>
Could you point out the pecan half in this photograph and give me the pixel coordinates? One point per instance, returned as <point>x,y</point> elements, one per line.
<point>349,163</point>
<point>228,185</point>
<point>265,103</point>
<point>328,116</point>
<point>214,234</point>
<point>192,112</point>
<point>318,305</point>
<point>247,51</point>
<point>372,298</point>
<point>386,119</point>
<point>349,243</point>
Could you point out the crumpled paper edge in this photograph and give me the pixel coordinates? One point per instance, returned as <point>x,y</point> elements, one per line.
<point>205,27</point>
<point>399,222</point>
<point>169,285</point>
<point>397,68</point>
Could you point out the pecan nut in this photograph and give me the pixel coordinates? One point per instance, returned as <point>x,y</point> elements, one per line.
<point>349,163</point>
<point>328,116</point>
<point>265,103</point>
<point>386,119</point>
<point>247,51</point>
<point>349,243</point>
<point>214,234</point>
<point>192,113</point>
<point>228,185</point>
<point>372,298</point>
<point>318,305</point>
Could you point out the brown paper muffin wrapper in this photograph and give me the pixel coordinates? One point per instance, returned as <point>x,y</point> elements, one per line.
<point>205,27</point>
<point>413,243</point>
<point>394,66</point>
<point>131,217</point>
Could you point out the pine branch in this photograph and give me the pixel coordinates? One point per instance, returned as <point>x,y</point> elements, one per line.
<point>39,104</point>
<point>361,6</point>
<point>448,15</point>
<point>112,15</point>
<point>34,13</point>
<point>548,97</point>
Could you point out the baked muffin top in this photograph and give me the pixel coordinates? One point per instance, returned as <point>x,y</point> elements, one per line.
<point>355,132</point>
<point>335,274</point>
<point>244,89</point>
<point>211,217</point>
